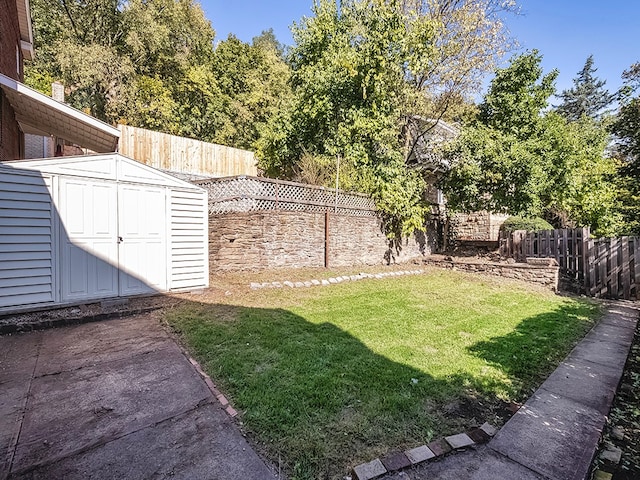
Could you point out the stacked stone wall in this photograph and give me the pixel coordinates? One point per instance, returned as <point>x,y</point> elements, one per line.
<point>546,276</point>
<point>281,239</point>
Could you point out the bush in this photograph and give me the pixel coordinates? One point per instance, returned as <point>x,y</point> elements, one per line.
<point>534,224</point>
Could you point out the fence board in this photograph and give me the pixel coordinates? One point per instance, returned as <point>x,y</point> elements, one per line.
<point>613,255</point>
<point>626,279</point>
<point>591,266</point>
<point>563,249</point>
<point>602,270</point>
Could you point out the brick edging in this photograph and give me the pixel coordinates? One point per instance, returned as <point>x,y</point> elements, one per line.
<point>397,461</point>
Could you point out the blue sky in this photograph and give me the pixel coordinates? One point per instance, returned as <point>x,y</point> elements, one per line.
<point>564,31</point>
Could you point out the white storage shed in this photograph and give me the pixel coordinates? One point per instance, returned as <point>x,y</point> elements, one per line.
<point>81,229</point>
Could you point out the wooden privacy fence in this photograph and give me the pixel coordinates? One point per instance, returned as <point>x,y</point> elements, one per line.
<point>603,267</point>
<point>184,155</point>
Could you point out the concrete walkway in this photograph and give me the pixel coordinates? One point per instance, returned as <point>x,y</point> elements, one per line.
<point>114,399</point>
<point>555,434</point>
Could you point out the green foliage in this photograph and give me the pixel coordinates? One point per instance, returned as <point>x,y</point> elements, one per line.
<point>349,88</point>
<point>152,64</point>
<point>587,96</point>
<point>534,224</point>
<point>517,97</point>
<point>364,74</point>
<point>626,127</point>
<point>521,159</point>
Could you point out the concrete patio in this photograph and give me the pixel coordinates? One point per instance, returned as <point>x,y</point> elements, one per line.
<point>113,399</point>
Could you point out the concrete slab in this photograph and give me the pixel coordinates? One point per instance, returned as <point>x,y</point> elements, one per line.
<point>488,429</point>
<point>369,470</point>
<point>70,348</point>
<point>395,461</point>
<point>18,357</point>
<point>478,435</point>
<point>590,384</point>
<point>551,435</point>
<point>439,447</point>
<point>625,320</point>
<point>116,399</point>
<point>629,312</point>
<point>611,333</point>
<point>460,440</point>
<point>18,353</point>
<point>609,354</point>
<point>202,443</point>
<point>104,402</point>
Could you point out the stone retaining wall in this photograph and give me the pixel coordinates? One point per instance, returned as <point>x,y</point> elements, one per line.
<point>546,276</point>
<point>282,239</point>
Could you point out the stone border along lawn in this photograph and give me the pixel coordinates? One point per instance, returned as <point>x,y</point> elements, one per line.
<point>326,379</point>
<point>333,280</point>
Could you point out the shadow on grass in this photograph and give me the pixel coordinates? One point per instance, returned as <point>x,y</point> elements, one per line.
<point>530,353</point>
<point>320,399</point>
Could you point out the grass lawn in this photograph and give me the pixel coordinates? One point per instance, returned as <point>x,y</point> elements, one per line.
<point>329,377</point>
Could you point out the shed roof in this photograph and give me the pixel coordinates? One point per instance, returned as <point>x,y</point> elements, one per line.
<point>42,115</point>
<point>111,166</point>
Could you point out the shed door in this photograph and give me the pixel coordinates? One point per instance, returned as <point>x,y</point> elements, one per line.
<point>88,239</point>
<point>142,242</point>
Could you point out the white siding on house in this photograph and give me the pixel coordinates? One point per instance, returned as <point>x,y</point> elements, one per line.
<point>26,242</point>
<point>189,239</point>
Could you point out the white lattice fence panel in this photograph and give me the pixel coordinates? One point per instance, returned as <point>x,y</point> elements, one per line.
<point>249,194</point>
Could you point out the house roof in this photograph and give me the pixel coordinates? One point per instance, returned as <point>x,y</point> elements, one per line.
<point>40,114</point>
<point>26,32</point>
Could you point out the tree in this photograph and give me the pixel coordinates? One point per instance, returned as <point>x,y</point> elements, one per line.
<point>587,96</point>
<point>349,91</point>
<point>518,96</point>
<point>362,73</point>
<point>626,128</point>
<point>455,44</point>
<point>494,163</point>
<point>253,83</point>
<point>152,64</point>
<point>79,42</point>
<point>521,159</point>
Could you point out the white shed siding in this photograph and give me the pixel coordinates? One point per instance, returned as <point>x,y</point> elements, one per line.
<point>189,239</point>
<point>26,242</point>
<point>74,229</point>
